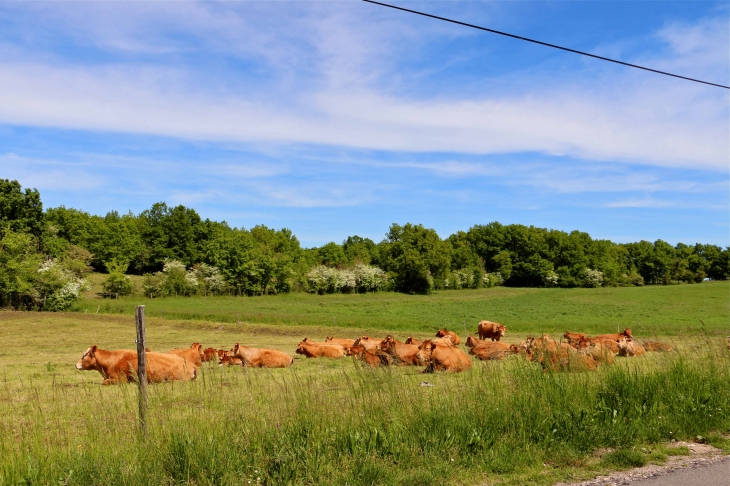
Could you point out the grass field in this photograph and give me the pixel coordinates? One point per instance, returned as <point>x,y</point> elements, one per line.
<point>651,310</point>
<point>334,422</point>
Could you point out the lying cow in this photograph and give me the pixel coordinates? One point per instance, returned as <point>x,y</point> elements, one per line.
<point>371,344</point>
<point>488,350</point>
<point>372,359</point>
<point>600,351</point>
<point>120,366</point>
<point>447,357</point>
<point>310,349</point>
<point>401,352</point>
<point>225,360</point>
<point>655,346</point>
<point>574,338</point>
<point>491,330</point>
<point>345,343</point>
<point>194,354</point>
<point>261,358</point>
<point>616,337</point>
<point>209,354</point>
<point>628,348</point>
<point>450,334</point>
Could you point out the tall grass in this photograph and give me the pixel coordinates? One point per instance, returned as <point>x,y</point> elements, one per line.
<point>360,426</point>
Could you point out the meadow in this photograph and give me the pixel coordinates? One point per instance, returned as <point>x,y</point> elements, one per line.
<point>335,422</point>
<point>651,310</point>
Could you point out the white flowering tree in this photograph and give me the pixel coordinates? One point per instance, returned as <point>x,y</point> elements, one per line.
<point>362,278</point>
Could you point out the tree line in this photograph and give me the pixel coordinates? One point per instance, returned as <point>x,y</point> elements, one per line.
<point>174,245</point>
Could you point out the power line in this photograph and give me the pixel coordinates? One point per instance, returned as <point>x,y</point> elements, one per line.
<point>542,43</point>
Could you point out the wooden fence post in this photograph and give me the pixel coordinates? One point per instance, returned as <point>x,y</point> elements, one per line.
<point>141,370</point>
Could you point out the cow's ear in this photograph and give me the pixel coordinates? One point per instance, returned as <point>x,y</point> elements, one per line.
<point>92,350</point>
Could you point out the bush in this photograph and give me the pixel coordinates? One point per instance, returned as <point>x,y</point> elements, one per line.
<point>591,278</point>
<point>362,278</point>
<point>117,283</point>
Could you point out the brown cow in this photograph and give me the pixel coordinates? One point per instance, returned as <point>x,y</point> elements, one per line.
<point>471,341</point>
<point>610,343</point>
<point>599,351</point>
<point>371,344</point>
<point>372,359</point>
<point>628,348</point>
<point>488,350</point>
<point>542,343</point>
<point>194,354</point>
<point>451,334</point>
<point>573,338</point>
<point>225,360</point>
<point>261,358</point>
<point>345,343</point>
<point>412,340</point>
<point>120,366</point>
<point>657,346</point>
<point>615,337</point>
<point>310,350</point>
<point>403,353</point>
<point>491,330</point>
<point>424,352</point>
<point>210,354</point>
<point>446,357</point>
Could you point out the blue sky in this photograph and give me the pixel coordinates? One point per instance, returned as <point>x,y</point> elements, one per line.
<point>336,118</point>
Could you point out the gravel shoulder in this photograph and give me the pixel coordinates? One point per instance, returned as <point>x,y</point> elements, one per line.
<point>706,465</point>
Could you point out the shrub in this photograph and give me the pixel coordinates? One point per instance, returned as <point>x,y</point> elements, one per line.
<point>117,283</point>
<point>362,278</point>
<point>591,278</point>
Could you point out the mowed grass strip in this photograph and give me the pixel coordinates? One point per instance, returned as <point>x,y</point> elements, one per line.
<point>652,310</point>
<point>331,422</point>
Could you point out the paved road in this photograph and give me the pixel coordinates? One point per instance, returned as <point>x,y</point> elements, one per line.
<point>717,474</point>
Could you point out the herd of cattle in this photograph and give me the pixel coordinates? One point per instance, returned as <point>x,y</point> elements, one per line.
<point>576,352</point>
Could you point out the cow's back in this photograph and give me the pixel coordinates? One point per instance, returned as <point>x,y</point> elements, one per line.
<point>169,367</point>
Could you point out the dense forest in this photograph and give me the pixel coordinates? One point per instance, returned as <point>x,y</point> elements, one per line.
<point>44,256</point>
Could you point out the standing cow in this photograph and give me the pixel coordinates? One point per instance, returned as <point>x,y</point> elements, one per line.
<point>491,330</point>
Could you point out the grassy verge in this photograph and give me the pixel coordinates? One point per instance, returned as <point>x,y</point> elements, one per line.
<point>333,422</point>
<point>653,310</point>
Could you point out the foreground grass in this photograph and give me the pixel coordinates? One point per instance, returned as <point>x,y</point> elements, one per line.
<point>652,310</point>
<point>331,421</point>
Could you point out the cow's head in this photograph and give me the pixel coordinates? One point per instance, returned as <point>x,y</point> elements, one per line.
<point>627,333</point>
<point>355,351</point>
<point>502,330</point>
<point>88,360</point>
<point>234,350</point>
<point>471,342</point>
<point>441,333</point>
<point>387,344</point>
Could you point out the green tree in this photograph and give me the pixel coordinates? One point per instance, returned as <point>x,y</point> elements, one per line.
<point>417,256</point>
<point>21,211</point>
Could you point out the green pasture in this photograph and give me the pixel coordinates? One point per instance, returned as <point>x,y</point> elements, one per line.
<point>332,422</point>
<point>669,310</point>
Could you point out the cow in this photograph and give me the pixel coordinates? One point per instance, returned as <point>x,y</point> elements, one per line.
<point>542,343</point>
<point>424,352</point>
<point>600,351</point>
<point>412,340</point>
<point>371,344</point>
<point>610,343</point>
<point>345,343</point>
<point>491,330</point>
<point>261,358</point>
<point>120,366</point>
<point>471,341</point>
<point>209,354</point>
<point>616,337</point>
<point>657,346</point>
<point>573,338</point>
<point>225,360</point>
<point>372,359</point>
<point>445,357</point>
<point>400,352</point>
<point>628,348</point>
<point>193,354</point>
<point>561,358</point>
<point>488,350</point>
<point>451,334</point>
<point>310,350</point>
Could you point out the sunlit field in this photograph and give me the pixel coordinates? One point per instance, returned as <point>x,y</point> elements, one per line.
<point>652,310</point>
<point>335,422</point>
